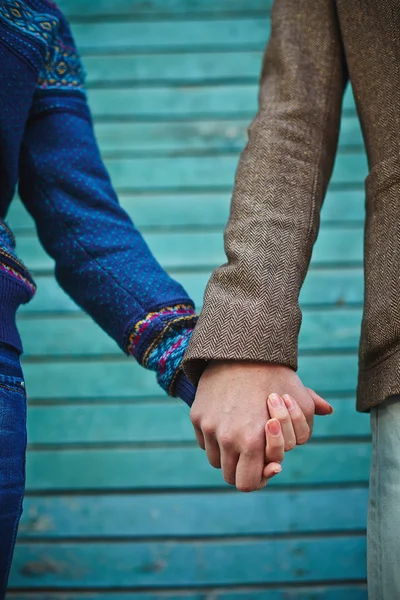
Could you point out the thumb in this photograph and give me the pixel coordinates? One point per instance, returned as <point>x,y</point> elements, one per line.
<point>322,407</point>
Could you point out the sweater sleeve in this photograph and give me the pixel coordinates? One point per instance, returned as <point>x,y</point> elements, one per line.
<point>101,260</point>
<point>251,309</point>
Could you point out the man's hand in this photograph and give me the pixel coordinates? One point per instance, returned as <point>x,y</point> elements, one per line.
<point>233,403</point>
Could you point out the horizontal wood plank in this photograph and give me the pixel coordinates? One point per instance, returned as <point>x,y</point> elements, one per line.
<point>124,378</point>
<point>160,595</point>
<point>208,172</point>
<point>299,592</point>
<point>172,138</point>
<point>333,592</point>
<point>155,423</point>
<point>171,8</point>
<point>182,102</point>
<point>127,35</point>
<point>185,467</point>
<point>178,137</point>
<point>181,67</point>
<point>177,515</point>
<point>158,564</point>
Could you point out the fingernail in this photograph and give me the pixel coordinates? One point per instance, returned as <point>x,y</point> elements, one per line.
<point>290,403</point>
<point>332,410</point>
<point>273,427</point>
<point>277,470</point>
<point>276,401</point>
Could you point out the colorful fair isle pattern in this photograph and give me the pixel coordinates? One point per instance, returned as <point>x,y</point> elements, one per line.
<point>166,358</point>
<point>18,277</point>
<point>165,353</point>
<point>7,239</point>
<point>62,67</point>
<point>7,258</point>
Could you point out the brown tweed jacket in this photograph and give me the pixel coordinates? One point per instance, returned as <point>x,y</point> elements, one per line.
<point>251,309</point>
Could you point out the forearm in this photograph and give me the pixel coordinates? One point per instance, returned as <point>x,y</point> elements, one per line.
<point>101,260</point>
<point>251,309</point>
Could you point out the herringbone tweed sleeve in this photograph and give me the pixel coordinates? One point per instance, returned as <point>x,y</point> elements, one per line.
<point>251,309</point>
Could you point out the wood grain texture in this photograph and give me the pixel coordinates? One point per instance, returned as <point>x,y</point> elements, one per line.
<point>161,8</point>
<point>189,67</point>
<point>109,37</point>
<point>185,468</point>
<point>176,103</point>
<point>300,592</point>
<point>84,379</point>
<point>158,564</point>
<point>155,423</point>
<point>176,515</point>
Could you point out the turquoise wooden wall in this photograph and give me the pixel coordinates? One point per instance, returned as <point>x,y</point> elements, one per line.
<point>121,504</point>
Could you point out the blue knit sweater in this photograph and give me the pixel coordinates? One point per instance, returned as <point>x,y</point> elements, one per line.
<point>47,142</point>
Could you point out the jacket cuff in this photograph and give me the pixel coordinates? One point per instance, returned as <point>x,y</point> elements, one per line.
<point>241,330</point>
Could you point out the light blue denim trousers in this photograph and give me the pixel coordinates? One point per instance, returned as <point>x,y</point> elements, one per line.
<point>384,503</point>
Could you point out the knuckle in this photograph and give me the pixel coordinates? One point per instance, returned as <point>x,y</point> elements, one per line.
<point>227,440</point>
<point>284,419</point>
<point>208,428</point>
<point>252,444</point>
<point>195,418</point>
<point>297,416</point>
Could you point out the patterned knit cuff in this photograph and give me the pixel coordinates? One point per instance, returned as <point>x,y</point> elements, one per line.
<point>16,288</point>
<point>160,340</point>
<point>11,265</point>
<point>184,388</point>
<point>166,358</point>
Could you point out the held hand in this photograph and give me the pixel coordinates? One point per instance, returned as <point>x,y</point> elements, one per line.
<point>230,413</point>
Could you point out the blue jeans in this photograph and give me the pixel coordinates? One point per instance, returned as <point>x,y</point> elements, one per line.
<point>384,503</point>
<point>12,455</point>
